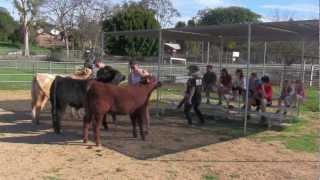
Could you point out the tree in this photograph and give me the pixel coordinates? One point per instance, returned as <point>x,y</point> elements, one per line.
<point>90,16</point>
<point>7,24</point>
<point>131,16</point>
<point>62,13</point>
<point>192,23</point>
<point>180,24</point>
<point>164,11</point>
<point>230,15</point>
<point>28,9</point>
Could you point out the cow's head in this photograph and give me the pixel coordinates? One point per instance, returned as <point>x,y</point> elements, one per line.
<point>109,75</point>
<point>151,80</point>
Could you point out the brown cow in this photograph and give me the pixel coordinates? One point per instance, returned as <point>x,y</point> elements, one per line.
<point>40,90</point>
<point>106,98</point>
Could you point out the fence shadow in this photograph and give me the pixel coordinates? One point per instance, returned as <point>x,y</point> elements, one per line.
<point>167,135</point>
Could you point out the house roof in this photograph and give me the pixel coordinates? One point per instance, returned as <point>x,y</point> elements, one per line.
<point>265,31</point>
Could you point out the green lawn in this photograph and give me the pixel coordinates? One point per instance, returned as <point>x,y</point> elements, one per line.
<point>6,47</point>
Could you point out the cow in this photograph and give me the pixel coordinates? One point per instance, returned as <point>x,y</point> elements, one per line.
<point>107,98</point>
<point>66,91</point>
<point>40,90</point>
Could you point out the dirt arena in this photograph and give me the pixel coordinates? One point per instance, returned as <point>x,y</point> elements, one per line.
<point>173,150</point>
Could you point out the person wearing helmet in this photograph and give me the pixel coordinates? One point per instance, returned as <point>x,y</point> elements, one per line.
<point>192,97</point>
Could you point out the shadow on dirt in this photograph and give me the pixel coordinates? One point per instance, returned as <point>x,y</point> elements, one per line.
<point>167,135</point>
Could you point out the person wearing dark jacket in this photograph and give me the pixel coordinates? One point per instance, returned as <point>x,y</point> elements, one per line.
<point>209,82</point>
<point>192,97</point>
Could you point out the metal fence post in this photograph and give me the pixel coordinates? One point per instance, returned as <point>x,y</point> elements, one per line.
<point>50,67</point>
<point>264,58</point>
<point>247,91</point>
<point>311,75</point>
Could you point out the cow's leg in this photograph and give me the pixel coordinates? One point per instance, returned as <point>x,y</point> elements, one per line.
<point>96,128</point>
<point>146,119</point>
<point>105,123</point>
<point>75,113</point>
<point>114,118</point>
<point>34,92</point>
<point>133,121</point>
<point>86,123</point>
<point>44,101</point>
<point>140,123</point>
<point>38,100</point>
<point>59,111</point>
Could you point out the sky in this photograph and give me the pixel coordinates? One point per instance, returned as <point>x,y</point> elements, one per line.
<point>269,9</point>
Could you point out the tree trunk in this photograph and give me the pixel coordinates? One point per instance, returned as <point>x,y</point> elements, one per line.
<point>67,44</point>
<point>26,39</point>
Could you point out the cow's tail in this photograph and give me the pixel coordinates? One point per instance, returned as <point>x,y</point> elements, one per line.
<point>53,100</point>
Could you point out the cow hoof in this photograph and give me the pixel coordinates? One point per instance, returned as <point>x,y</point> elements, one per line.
<point>85,141</point>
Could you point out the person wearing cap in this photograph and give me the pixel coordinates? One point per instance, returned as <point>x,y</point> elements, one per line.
<point>98,64</point>
<point>192,97</point>
<point>136,73</point>
<point>209,82</point>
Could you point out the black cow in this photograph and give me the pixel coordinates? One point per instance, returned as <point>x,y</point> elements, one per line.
<point>66,91</point>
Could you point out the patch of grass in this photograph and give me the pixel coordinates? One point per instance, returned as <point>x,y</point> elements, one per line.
<point>51,178</point>
<point>210,177</point>
<point>6,47</point>
<point>305,142</point>
<point>312,101</point>
<point>298,137</point>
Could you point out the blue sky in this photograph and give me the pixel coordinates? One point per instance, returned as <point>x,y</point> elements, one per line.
<point>297,9</point>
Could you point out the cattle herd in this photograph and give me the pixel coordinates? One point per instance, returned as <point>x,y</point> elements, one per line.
<point>99,97</point>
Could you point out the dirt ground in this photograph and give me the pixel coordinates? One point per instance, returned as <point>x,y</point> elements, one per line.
<point>173,150</point>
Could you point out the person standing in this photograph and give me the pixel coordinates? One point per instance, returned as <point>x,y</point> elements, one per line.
<point>192,97</point>
<point>136,73</point>
<point>135,77</point>
<point>98,64</point>
<point>209,82</point>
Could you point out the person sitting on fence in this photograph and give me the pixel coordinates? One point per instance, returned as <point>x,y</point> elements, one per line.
<point>258,99</point>
<point>209,82</point>
<point>96,66</point>
<point>239,85</point>
<point>252,83</point>
<point>299,93</point>
<point>267,89</point>
<point>137,73</point>
<point>192,97</point>
<point>286,97</point>
<point>225,87</point>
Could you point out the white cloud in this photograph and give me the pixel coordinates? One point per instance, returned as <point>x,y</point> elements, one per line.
<point>266,19</point>
<point>306,8</point>
<point>211,3</point>
<point>218,3</point>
